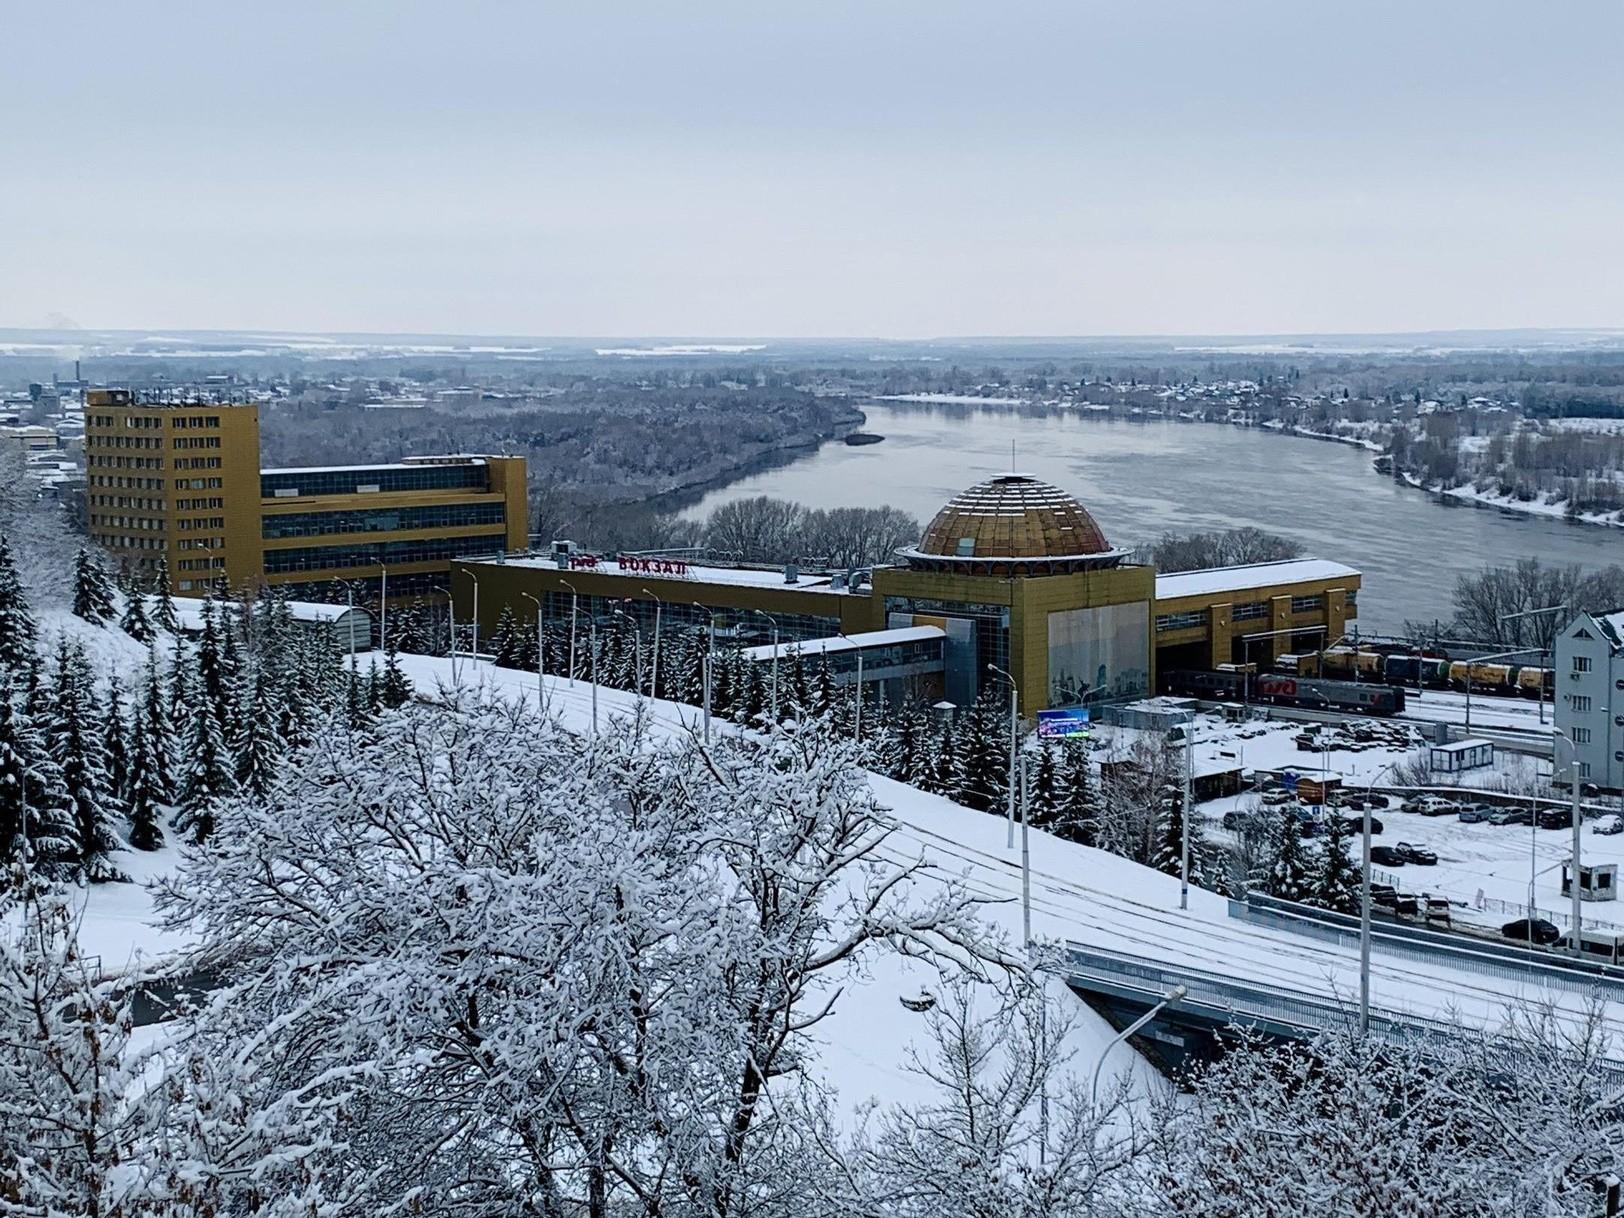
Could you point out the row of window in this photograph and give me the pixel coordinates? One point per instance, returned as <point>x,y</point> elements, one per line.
<point>1180,621</point>
<point>126,462</point>
<point>127,501</point>
<point>201,522</point>
<point>201,564</point>
<point>199,504</point>
<point>148,422</point>
<point>133,543</point>
<point>94,441</point>
<point>150,524</point>
<point>196,442</point>
<point>299,482</point>
<point>1307,604</point>
<point>1249,611</point>
<point>197,462</point>
<point>319,558</point>
<point>383,520</point>
<point>125,483</point>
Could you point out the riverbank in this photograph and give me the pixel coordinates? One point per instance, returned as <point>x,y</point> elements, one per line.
<point>1505,503</point>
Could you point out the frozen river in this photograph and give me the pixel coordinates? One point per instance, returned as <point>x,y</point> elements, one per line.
<point>1143,479</point>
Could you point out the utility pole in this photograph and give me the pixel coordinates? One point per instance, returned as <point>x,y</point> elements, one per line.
<point>1014,740</point>
<point>774,621</point>
<point>705,668</point>
<point>1189,811</point>
<point>654,671</point>
<point>575,598</point>
<point>541,667</point>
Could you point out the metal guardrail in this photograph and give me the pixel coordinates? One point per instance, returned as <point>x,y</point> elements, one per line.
<point>1230,1002</point>
<point>1519,909</point>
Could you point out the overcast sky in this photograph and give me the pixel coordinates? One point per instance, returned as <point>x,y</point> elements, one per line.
<point>814,168</point>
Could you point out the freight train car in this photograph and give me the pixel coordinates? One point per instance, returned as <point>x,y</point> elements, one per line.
<point>1285,690</point>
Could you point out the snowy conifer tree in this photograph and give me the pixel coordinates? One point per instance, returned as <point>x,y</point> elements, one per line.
<point>148,792</point>
<point>209,774</point>
<point>257,745</point>
<point>396,690</point>
<point>1290,875</point>
<point>1079,811</point>
<point>213,678</point>
<point>77,748</point>
<point>163,612</point>
<point>156,727</point>
<point>504,646</point>
<point>116,748</point>
<point>135,621</point>
<point>1044,798</point>
<point>92,589</point>
<point>984,753</point>
<point>33,801</point>
<point>1337,879</point>
<point>17,630</point>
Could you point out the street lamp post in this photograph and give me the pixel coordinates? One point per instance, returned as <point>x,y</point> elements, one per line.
<point>1578,811</point>
<point>575,600</point>
<point>1188,811</point>
<point>594,675</point>
<point>857,723</point>
<point>705,668</point>
<point>637,649</point>
<point>541,644</point>
<point>654,664</point>
<point>1364,904</point>
<point>475,578</point>
<point>1026,855</point>
<point>1014,737</point>
<point>774,621</point>
<point>1172,995</point>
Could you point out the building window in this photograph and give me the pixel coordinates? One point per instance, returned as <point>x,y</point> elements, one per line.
<point>1180,621</point>
<point>383,520</point>
<point>1250,611</point>
<point>1307,604</point>
<point>298,482</point>
<point>1581,663</point>
<point>1580,703</point>
<point>1581,735</point>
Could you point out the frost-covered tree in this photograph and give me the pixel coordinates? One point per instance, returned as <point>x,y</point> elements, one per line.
<point>1336,879</point>
<point>134,621</point>
<point>589,958</point>
<point>1078,817</point>
<point>157,728</point>
<point>148,790</point>
<point>983,752</point>
<point>17,631</point>
<point>396,687</point>
<point>1006,1128</point>
<point>163,610</point>
<point>116,747</point>
<point>33,802</point>
<point>505,647</point>
<point>209,774</point>
<point>258,748</point>
<point>213,678</point>
<point>73,1135</point>
<point>92,589</point>
<point>73,735</point>
<point>1291,873</point>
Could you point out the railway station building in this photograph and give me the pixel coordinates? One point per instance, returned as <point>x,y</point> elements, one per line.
<point>1013,578</point>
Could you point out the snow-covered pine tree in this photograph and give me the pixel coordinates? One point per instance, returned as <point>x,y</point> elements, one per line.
<point>397,686</point>
<point>823,688</point>
<point>70,1123</point>
<point>211,670</point>
<point>374,690</point>
<point>944,767</point>
<point>77,748</point>
<point>148,792</point>
<point>33,802</point>
<point>984,753</point>
<point>163,608</point>
<point>209,774</point>
<point>92,588</point>
<point>1044,797</point>
<point>356,711</point>
<point>1336,880</point>
<point>134,621</point>
<point>1290,875</point>
<point>17,631</point>
<point>231,671</point>
<point>116,748</point>
<point>1079,796</point>
<point>504,644</point>
<point>157,727</point>
<point>259,750</point>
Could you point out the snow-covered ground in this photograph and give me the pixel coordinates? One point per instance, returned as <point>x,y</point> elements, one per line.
<point>1556,510</point>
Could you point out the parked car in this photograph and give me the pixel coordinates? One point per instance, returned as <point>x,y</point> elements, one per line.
<point>1377,801</point>
<point>1555,818</point>
<point>1434,805</point>
<point>1608,825</point>
<point>1472,814</point>
<point>1437,909</point>
<point>1238,818</point>
<point>1356,824</point>
<point>1528,930</point>
<point>1387,856</point>
<point>1276,797</point>
<point>1510,816</point>
<point>1419,855</point>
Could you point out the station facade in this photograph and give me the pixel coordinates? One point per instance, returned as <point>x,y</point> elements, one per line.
<point>1014,572</point>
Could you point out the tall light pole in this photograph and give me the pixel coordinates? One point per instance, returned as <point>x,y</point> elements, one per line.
<point>1172,995</point>
<point>541,681</point>
<point>475,578</point>
<point>705,668</point>
<point>594,675</point>
<point>654,665</point>
<point>1014,736</point>
<point>637,649</point>
<point>857,730</point>
<point>1364,906</point>
<point>1026,856</point>
<point>1188,728</point>
<point>774,621</point>
<point>383,609</point>
<point>1578,816</point>
<point>1507,617</point>
<point>575,600</point>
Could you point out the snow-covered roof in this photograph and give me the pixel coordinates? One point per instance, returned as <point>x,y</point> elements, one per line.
<point>359,469</point>
<point>745,577</point>
<point>189,611</point>
<point>851,642</point>
<point>1251,575</point>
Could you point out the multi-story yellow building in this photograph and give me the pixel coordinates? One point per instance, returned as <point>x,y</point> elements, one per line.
<point>181,481</point>
<point>1013,576</point>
